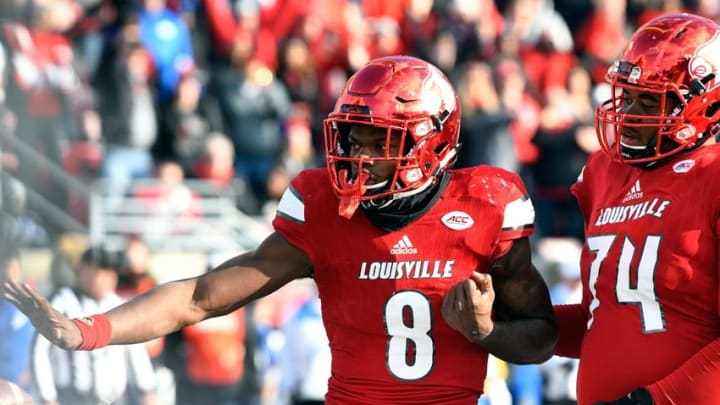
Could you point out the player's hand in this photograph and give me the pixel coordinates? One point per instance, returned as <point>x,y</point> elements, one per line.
<point>48,321</point>
<point>467,307</point>
<point>638,397</point>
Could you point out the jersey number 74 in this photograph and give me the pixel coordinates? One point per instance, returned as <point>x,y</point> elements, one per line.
<point>641,293</point>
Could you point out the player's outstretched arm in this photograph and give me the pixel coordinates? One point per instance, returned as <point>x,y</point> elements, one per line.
<point>523,329</point>
<point>174,305</point>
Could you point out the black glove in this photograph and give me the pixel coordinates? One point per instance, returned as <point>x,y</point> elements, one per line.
<point>638,397</point>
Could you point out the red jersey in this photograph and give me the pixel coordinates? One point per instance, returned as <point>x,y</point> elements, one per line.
<point>649,268</point>
<point>382,291</point>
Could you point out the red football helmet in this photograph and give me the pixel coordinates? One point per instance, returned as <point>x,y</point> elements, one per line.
<point>675,56</point>
<point>405,96</point>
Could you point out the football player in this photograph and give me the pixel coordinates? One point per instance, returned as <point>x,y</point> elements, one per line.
<point>422,271</point>
<point>648,327</point>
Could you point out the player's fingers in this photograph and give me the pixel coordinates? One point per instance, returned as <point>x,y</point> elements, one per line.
<point>458,298</point>
<point>14,293</point>
<point>10,287</point>
<point>445,302</point>
<point>483,281</point>
<point>11,298</point>
<point>38,300</point>
<point>449,316</point>
<point>469,290</point>
<point>449,300</point>
<point>28,290</point>
<point>6,289</point>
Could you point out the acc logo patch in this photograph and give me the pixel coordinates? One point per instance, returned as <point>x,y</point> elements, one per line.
<point>683,166</point>
<point>457,220</point>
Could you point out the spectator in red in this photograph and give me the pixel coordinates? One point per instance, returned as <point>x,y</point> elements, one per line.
<point>560,159</point>
<point>523,108</point>
<point>419,26</point>
<point>485,131</point>
<point>545,42</point>
<point>214,354</point>
<point>215,164</point>
<point>297,71</point>
<point>228,26</point>
<point>602,37</point>
<point>476,26</point>
<point>386,38</point>
<point>375,9</point>
<point>656,8</point>
<point>134,278</point>
<point>214,363</point>
<point>41,84</point>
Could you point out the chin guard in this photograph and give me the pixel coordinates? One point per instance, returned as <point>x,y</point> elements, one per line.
<point>350,192</point>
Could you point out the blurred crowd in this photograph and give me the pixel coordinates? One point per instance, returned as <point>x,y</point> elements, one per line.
<point>233,92</point>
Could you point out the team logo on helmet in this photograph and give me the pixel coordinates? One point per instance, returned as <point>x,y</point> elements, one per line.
<point>706,60</point>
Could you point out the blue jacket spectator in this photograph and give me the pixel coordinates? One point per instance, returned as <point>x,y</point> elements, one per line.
<point>166,36</point>
<point>305,363</point>
<point>16,333</point>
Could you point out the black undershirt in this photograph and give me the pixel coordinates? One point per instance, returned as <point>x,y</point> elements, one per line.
<point>403,211</point>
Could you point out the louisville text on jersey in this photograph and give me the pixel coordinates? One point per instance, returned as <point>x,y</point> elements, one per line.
<point>417,269</point>
<point>623,213</point>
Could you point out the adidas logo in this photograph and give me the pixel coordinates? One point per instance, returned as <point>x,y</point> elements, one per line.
<point>403,247</point>
<point>634,193</point>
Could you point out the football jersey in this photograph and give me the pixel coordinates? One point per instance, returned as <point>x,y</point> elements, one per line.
<point>649,268</point>
<point>382,291</point>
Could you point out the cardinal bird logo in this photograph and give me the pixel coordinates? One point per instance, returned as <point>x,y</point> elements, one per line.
<point>705,61</point>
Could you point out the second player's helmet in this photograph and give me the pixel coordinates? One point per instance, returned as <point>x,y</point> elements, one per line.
<point>409,98</point>
<point>677,57</point>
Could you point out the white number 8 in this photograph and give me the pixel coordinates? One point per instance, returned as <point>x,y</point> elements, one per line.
<point>408,322</point>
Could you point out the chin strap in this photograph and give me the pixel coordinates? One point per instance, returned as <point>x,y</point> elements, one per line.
<point>445,162</point>
<point>349,194</point>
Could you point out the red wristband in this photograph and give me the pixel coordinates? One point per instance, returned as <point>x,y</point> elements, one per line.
<point>95,331</point>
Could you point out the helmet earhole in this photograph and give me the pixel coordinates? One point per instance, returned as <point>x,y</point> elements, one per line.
<point>712,109</point>
<point>439,120</point>
<point>697,86</point>
<point>437,124</point>
<point>715,131</point>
